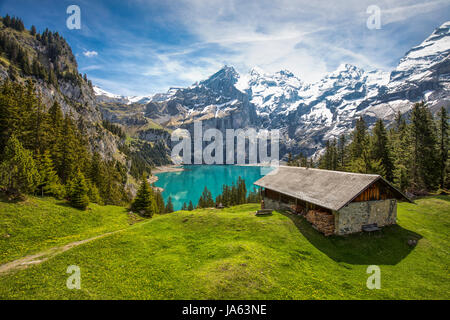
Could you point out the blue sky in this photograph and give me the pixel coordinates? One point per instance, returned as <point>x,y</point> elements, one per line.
<point>143,46</point>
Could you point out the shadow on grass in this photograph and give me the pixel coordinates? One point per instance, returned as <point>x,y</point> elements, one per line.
<point>11,199</point>
<point>386,247</point>
<point>64,203</point>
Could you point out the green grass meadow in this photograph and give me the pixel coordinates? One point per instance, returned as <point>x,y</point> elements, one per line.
<point>224,254</point>
<point>41,223</point>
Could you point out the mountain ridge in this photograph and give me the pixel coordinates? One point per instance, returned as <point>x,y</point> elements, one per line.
<point>308,114</point>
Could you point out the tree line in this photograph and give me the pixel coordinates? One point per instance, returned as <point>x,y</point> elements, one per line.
<point>412,154</point>
<point>233,195</point>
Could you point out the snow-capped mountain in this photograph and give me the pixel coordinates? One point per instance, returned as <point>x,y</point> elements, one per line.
<point>308,114</point>
<point>105,96</point>
<point>216,101</point>
<point>271,93</point>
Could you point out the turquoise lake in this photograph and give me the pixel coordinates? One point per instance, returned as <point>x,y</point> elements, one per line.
<point>188,185</point>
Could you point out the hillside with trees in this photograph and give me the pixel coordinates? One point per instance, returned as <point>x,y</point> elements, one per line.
<point>412,154</point>
<point>53,139</point>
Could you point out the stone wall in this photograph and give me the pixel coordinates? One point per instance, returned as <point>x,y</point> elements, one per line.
<point>352,217</point>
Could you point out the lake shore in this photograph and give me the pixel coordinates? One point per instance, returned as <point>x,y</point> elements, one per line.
<point>154,178</point>
<point>170,168</point>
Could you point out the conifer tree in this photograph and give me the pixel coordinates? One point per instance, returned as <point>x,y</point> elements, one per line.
<point>400,140</point>
<point>206,200</point>
<point>329,160</point>
<point>145,203</point>
<point>169,206</point>
<point>68,150</point>
<point>425,169</point>
<point>342,152</point>
<point>190,206</point>
<point>79,197</point>
<point>443,147</point>
<point>11,112</point>
<point>49,183</point>
<point>380,149</point>
<point>160,202</point>
<point>93,193</point>
<point>184,208</point>
<point>18,171</point>
<point>242,191</point>
<point>359,139</point>
<point>289,161</point>
<point>55,126</point>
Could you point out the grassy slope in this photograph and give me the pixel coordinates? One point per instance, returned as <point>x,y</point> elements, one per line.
<point>232,254</point>
<point>38,224</point>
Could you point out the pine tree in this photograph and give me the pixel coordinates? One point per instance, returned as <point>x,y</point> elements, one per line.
<point>329,160</point>
<point>380,149</point>
<point>55,126</point>
<point>359,139</point>
<point>93,193</point>
<point>242,191</point>
<point>49,183</point>
<point>443,147</point>
<point>169,206</point>
<point>425,170</point>
<point>184,208</point>
<point>7,21</point>
<point>160,202</point>
<point>40,126</point>
<point>78,195</point>
<point>144,203</point>
<point>96,172</point>
<point>366,164</point>
<point>341,152</point>
<point>400,137</point>
<point>13,117</point>
<point>18,172</point>
<point>289,161</point>
<point>206,200</point>
<point>190,206</point>
<point>68,155</point>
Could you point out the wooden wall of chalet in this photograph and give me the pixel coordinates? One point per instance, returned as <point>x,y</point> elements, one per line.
<point>377,191</point>
<point>297,204</point>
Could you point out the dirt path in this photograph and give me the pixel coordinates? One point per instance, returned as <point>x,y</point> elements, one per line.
<point>47,254</point>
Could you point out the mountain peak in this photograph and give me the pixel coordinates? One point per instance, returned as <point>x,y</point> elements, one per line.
<point>256,71</point>
<point>345,67</point>
<point>444,27</point>
<point>431,51</point>
<point>226,73</point>
<point>346,71</point>
<point>285,73</point>
<point>439,33</point>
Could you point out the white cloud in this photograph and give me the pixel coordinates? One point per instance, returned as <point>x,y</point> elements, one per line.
<point>90,68</point>
<point>309,38</point>
<point>90,54</point>
<point>305,37</point>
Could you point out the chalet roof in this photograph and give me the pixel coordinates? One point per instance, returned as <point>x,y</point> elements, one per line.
<point>328,189</point>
